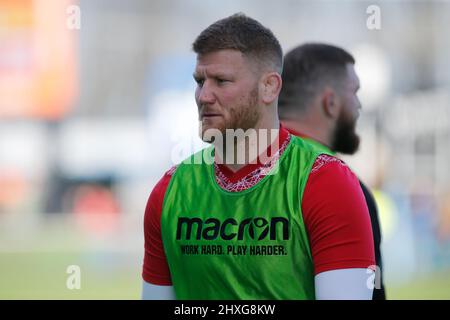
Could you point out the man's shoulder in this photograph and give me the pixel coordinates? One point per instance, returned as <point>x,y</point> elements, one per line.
<point>203,156</point>
<point>319,158</point>
<point>196,161</point>
<point>171,171</point>
<point>161,186</point>
<point>327,162</point>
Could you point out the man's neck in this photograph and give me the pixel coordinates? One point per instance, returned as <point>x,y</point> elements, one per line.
<point>244,151</point>
<point>308,131</point>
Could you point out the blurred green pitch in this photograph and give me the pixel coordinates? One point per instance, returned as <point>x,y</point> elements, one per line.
<point>42,275</point>
<point>35,275</point>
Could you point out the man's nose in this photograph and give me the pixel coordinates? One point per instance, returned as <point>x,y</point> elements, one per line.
<point>358,106</point>
<point>206,94</point>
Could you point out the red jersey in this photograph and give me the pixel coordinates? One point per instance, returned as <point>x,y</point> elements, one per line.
<point>333,206</point>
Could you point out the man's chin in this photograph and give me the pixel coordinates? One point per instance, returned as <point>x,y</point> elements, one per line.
<point>355,147</point>
<point>209,133</point>
<point>350,146</point>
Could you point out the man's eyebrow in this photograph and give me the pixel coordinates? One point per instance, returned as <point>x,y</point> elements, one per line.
<point>218,74</point>
<point>221,74</point>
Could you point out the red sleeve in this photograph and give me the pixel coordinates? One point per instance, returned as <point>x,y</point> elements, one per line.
<point>336,217</point>
<point>155,269</point>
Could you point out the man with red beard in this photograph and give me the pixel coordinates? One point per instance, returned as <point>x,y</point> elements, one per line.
<point>232,223</point>
<point>319,102</point>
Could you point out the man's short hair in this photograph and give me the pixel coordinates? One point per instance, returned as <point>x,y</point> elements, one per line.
<point>242,33</point>
<point>307,70</point>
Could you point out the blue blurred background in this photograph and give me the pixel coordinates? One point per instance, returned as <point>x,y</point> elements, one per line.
<point>97,101</point>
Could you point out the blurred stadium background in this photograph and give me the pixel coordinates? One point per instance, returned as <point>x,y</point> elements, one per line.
<point>91,117</point>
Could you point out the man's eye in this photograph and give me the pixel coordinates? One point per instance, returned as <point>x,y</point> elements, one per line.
<point>200,82</point>
<point>220,81</point>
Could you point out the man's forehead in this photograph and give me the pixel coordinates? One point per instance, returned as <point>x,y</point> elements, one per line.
<point>213,69</point>
<point>351,74</point>
<point>222,55</point>
<point>222,61</point>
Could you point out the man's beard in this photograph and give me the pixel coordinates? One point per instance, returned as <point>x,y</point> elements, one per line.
<point>345,139</point>
<point>246,115</point>
<point>243,116</point>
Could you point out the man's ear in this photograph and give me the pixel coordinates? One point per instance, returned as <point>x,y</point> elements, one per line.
<point>330,103</point>
<point>270,87</point>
